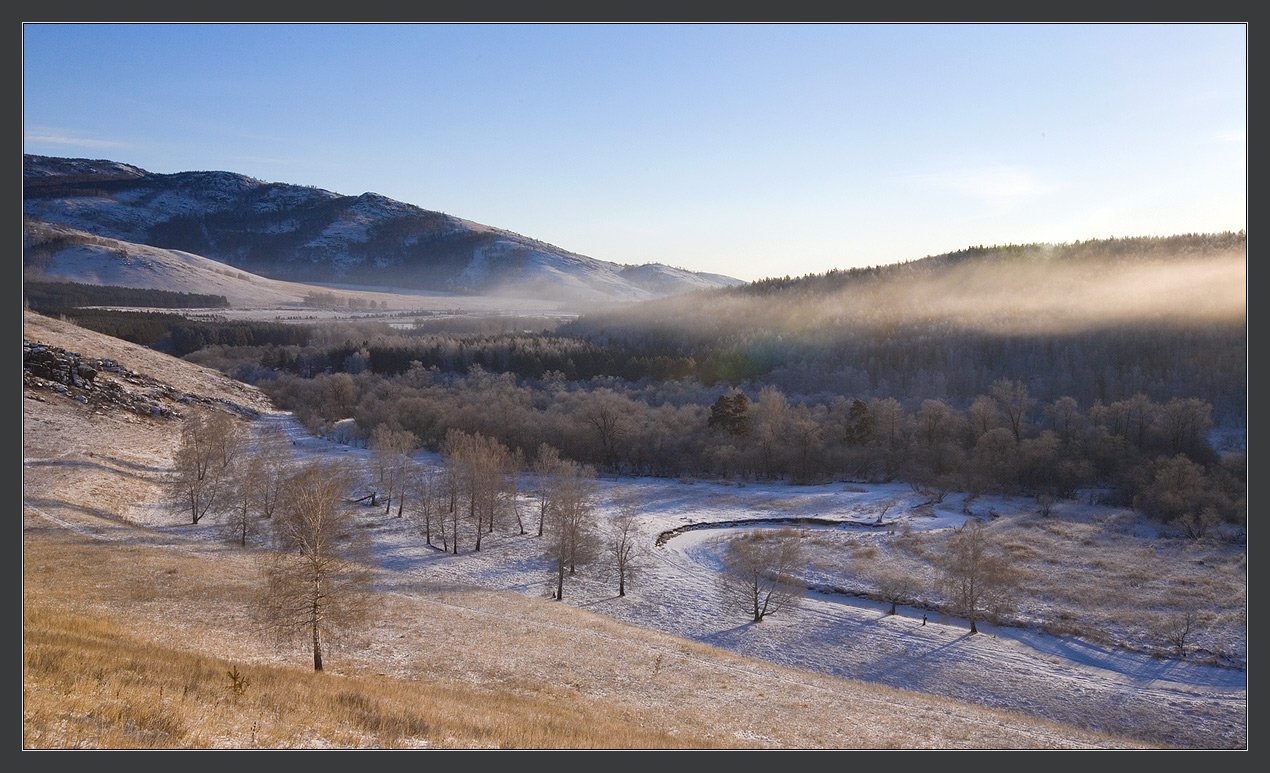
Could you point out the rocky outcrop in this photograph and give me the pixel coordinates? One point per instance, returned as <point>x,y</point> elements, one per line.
<point>105,385</point>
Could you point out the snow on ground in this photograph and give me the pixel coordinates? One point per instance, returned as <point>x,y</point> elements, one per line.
<point>1082,683</point>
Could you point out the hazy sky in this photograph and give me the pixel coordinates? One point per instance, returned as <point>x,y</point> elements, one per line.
<point>749,150</point>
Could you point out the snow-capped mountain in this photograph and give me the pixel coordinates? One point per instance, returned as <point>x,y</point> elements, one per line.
<point>306,234</point>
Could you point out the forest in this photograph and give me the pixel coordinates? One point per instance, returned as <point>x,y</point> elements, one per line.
<point>48,297</point>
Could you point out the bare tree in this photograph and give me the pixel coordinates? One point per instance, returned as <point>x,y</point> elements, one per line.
<point>203,464</point>
<point>547,466</point>
<point>770,419</point>
<point>895,586</point>
<point>242,515</point>
<point>1176,487</point>
<point>622,545</point>
<point>318,584</point>
<point>255,486</point>
<point>449,511</point>
<point>1014,402</point>
<point>570,531</point>
<point>272,450</point>
<point>1178,628</point>
<point>607,412</point>
<point>483,475</point>
<point>758,573</point>
<point>513,463</point>
<point>995,461</point>
<point>390,455</point>
<point>978,577</point>
<point>1066,420</point>
<point>982,416</point>
<point>428,496</point>
<point>1183,424</point>
<point>1198,526</point>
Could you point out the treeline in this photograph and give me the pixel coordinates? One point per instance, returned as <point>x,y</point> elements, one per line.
<point>1103,251</point>
<point>368,348</point>
<point>323,299</point>
<point>177,335</point>
<point>1154,455</point>
<point>910,364</point>
<point>1100,320</point>
<point>49,297</point>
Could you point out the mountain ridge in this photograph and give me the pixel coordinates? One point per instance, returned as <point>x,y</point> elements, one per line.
<point>308,234</point>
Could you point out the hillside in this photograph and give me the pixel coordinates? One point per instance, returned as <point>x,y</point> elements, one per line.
<point>1004,290</point>
<point>306,234</point>
<point>457,666</point>
<point>55,253</point>
<point>1098,321</point>
<point>61,254</point>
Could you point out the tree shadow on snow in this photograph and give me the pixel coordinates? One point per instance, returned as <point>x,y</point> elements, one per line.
<point>726,636</point>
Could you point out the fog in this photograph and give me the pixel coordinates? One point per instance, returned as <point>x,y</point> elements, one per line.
<point>1056,297</point>
<point>1037,291</point>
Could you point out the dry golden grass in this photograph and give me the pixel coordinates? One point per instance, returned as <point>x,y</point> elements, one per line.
<point>88,683</point>
<point>114,660</point>
<point>107,666</point>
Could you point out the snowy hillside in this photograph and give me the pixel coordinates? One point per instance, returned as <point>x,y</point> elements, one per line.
<point>60,253</point>
<point>1063,678</point>
<point>307,234</point>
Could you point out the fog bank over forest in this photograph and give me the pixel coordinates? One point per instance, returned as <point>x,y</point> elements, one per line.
<point>1006,290</point>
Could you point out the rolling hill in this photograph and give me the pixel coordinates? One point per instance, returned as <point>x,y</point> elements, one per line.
<point>306,234</point>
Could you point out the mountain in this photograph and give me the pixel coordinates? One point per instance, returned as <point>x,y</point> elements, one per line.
<point>306,234</point>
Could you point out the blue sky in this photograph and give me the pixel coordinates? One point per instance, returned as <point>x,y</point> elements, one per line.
<point>749,150</point>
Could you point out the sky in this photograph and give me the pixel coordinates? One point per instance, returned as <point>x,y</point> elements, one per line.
<point>752,150</point>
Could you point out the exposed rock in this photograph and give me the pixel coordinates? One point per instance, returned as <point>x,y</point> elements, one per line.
<point>100,383</point>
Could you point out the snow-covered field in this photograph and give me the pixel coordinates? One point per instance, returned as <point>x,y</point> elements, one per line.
<point>1083,682</point>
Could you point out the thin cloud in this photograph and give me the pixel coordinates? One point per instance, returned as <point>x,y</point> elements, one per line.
<point>72,141</point>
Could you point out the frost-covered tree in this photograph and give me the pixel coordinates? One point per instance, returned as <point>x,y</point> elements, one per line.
<point>1012,398</point>
<point>571,539</point>
<point>482,472</point>
<point>978,577</point>
<point>622,546</point>
<point>202,476</point>
<point>895,586</point>
<point>390,450</point>
<point>758,571</point>
<point>318,585</point>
